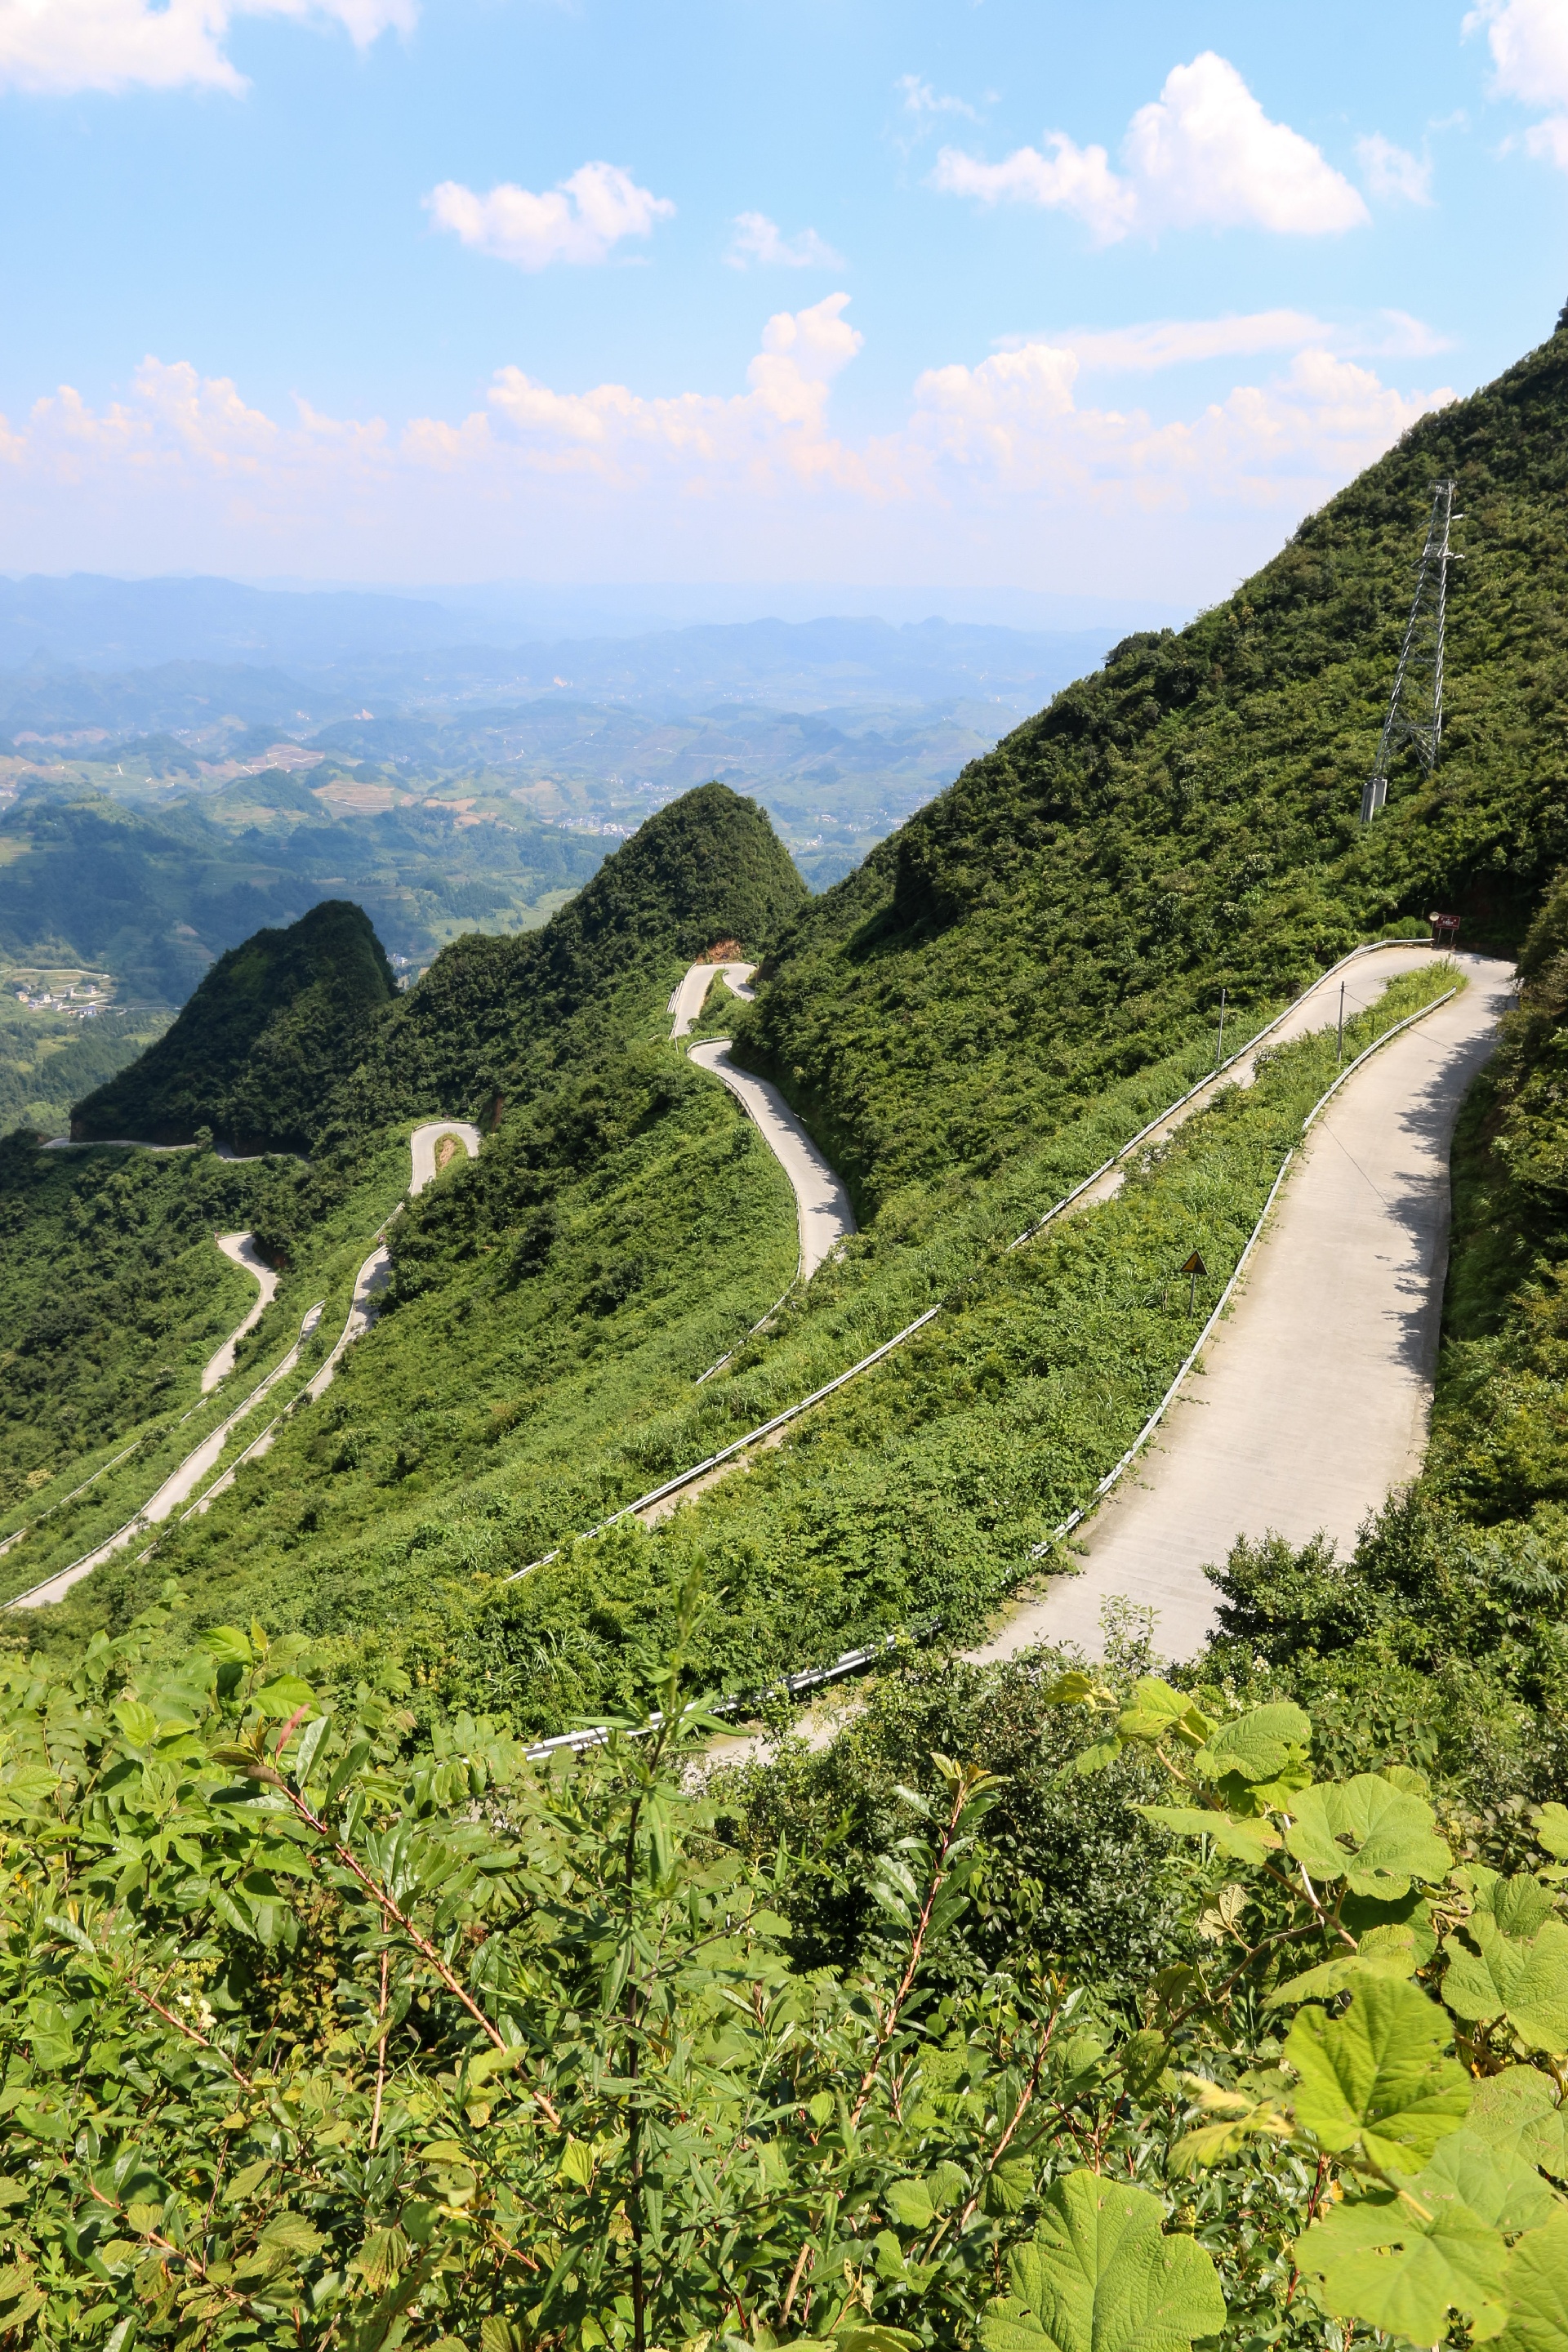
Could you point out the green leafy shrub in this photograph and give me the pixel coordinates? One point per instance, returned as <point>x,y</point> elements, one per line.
<point>311,2039</point>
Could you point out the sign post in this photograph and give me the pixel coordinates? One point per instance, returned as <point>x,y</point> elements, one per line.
<point>1193,1267</point>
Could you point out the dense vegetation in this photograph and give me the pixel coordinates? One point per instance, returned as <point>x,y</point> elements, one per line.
<point>312,2041</point>
<point>256,1053</point>
<point>49,1060</point>
<point>1049,2010</point>
<point>1186,819</point>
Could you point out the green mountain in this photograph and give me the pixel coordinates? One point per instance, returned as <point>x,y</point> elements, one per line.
<point>257,1050</point>
<point>1231,2004</point>
<point>493,1018</point>
<point>1007,988</point>
<point>1187,819</point>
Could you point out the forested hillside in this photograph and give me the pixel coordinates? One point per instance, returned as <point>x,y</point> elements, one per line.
<point>255,1054</point>
<point>1055,2008</point>
<point>493,1019</point>
<point>1187,819</point>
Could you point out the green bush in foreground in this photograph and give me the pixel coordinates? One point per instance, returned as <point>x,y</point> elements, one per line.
<point>311,2042</point>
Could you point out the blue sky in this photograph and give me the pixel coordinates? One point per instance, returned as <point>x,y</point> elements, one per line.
<point>1084,300</point>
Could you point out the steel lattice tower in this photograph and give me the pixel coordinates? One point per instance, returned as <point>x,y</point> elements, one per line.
<point>1420,657</point>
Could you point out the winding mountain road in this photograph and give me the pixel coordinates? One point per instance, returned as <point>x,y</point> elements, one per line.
<point>1315,1394</point>
<point>240,1250</point>
<point>691,995</point>
<point>822,1205</point>
<point>823,1214</point>
<point>426,1162</point>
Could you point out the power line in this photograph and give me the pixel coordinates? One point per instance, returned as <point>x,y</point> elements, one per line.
<point>1418,721</point>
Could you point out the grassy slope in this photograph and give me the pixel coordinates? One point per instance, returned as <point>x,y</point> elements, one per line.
<point>1187,819</point>
<point>113,1297</point>
<point>111,1286</point>
<point>513,1397</point>
<point>1009,988</point>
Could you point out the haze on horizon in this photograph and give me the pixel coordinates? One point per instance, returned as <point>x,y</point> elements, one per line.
<point>1001,298</point>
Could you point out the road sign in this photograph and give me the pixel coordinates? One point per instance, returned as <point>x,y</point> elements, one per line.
<point>1194,1264</point>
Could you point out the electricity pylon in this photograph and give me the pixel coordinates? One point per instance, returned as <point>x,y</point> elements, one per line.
<point>1420,658</point>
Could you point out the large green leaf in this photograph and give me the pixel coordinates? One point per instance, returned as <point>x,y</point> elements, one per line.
<point>1257,1745</point>
<point>1378,2076</point>
<point>1244,1840</point>
<point>1384,2261</point>
<point>1535,2289</point>
<point>1402,2263</point>
<point>1499,2187</point>
<point>1100,2275</point>
<point>1552,1829</point>
<point>1155,1709</point>
<point>1376,1837</point>
<point>1525,1980</point>
<point>1516,2113</point>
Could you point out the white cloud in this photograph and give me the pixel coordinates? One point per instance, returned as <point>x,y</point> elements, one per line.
<point>1528,45</point>
<point>580,219</point>
<point>774,435</point>
<point>1157,343</point>
<point>1176,343</point>
<point>925,103</point>
<point>1202,154</point>
<point>1076,179</point>
<point>49,47</point>
<point>1016,419</point>
<point>1393,172</point>
<point>759,239</point>
<point>991,466</point>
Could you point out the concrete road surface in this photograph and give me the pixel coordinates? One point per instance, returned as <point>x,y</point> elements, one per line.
<point>180,1482</point>
<point>425,1149</point>
<point>424,1153</point>
<point>1314,1394</point>
<point>690,998</point>
<point>822,1204</point>
<point>241,1250</point>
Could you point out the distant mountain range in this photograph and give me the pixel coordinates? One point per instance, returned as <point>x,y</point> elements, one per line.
<point>88,621</point>
<point>134,684</point>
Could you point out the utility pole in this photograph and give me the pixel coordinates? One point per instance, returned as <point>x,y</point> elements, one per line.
<point>1422,653</point>
<point>1219,1041</point>
<point>1340,1054</point>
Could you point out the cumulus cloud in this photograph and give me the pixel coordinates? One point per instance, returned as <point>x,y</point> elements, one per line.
<point>1393,172</point>
<point>52,46</point>
<point>772,434</point>
<point>1015,421</point>
<point>759,241</point>
<point>1528,45</point>
<point>1202,154</point>
<point>991,462</point>
<point>580,219</point>
<point>1074,179</point>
